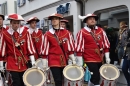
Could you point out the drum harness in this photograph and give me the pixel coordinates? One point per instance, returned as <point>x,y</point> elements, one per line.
<point>60,44</point>
<point>22,57</point>
<point>99,50</point>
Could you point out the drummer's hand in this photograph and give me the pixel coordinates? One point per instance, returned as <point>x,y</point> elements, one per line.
<point>72,58</point>
<point>80,61</point>
<point>74,62</point>
<point>33,63</point>
<point>107,58</point>
<point>44,62</point>
<point>32,58</point>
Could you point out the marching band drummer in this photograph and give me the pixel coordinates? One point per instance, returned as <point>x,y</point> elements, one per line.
<point>54,41</point>
<point>63,23</point>
<point>36,35</point>
<point>16,43</point>
<point>2,28</point>
<point>91,42</point>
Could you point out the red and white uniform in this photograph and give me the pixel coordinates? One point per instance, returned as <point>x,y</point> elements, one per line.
<point>87,47</point>
<point>1,43</point>
<point>37,38</point>
<point>9,49</point>
<point>52,49</point>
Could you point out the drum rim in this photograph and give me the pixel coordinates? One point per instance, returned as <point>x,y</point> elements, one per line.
<point>39,60</point>
<point>117,71</point>
<point>30,70</point>
<point>67,67</point>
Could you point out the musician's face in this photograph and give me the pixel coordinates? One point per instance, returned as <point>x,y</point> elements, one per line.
<point>33,24</point>
<point>55,21</point>
<point>1,21</point>
<point>63,24</point>
<point>15,24</point>
<point>91,21</point>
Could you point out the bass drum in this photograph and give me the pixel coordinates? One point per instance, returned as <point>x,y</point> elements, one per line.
<point>109,75</point>
<point>34,77</point>
<point>73,75</point>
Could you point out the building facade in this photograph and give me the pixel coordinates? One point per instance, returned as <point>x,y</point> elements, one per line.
<point>7,7</point>
<point>109,11</point>
<point>42,9</point>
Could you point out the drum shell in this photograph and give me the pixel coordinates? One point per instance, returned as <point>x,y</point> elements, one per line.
<point>104,82</point>
<point>109,75</point>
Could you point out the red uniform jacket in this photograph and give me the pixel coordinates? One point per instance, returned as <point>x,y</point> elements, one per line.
<point>12,53</point>
<point>37,38</point>
<point>52,49</point>
<point>87,47</point>
<point>1,43</point>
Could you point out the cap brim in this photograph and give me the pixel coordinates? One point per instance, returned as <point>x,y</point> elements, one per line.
<point>50,17</point>
<point>15,19</point>
<point>37,20</point>
<point>96,18</point>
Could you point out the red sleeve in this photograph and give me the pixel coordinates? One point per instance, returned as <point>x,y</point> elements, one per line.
<point>70,44</point>
<point>79,45</point>
<point>44,46</point>
<point>106,42</point>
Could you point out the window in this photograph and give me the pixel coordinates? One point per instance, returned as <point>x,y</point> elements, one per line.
<point>38,24</point>
<point>30,0</point>
<point>15,6</point>
<point>4,8</point>
<point>21,2</point>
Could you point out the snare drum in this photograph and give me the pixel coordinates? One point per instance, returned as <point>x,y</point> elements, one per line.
<point>49,77</point>
<point>109,75</point>
<point>73,75</point>
<point>34,77</point>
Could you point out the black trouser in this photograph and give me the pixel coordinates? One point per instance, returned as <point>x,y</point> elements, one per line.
<point>126,68</point>
<point>57,75</point>
<point>94,68</point>
<point>17,78</point>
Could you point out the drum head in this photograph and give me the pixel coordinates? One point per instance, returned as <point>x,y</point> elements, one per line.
<point>39,63</point>
<point>109,72</point>
<point>34,77</point>
<point>73,73</point>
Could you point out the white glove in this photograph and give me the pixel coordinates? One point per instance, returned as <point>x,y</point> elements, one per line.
<point>80,61</point>
<point>44,62</point>
<point>70,62</point>
<point>72,58</point>
<point>32,58</point>
<point>107,58</point>
<point>1,66</point>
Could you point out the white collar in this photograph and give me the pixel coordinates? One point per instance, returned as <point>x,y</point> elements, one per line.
<point>53,31</point>
<point>31,30</point>
<point>4,26</point>
<point>88,29</point>
<point>19,30</point>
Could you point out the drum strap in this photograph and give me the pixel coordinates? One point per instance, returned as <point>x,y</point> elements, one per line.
<point>20,50</point>
<point>98,51</point>
<point>60,44</point>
